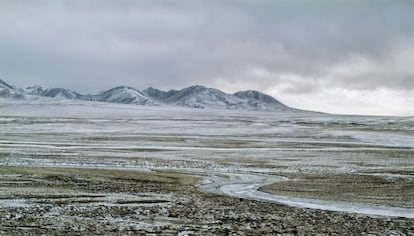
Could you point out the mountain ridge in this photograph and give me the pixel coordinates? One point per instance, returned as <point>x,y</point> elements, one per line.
<point>8,91</point>
<point>123,94</point>
<point>195,96</point>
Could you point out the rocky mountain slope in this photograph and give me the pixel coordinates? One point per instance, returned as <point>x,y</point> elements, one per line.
<point>199,96</point>
<point>123,94</point>
<point>54,92</point>
<point>8,91</point>
<point>196,96</point>
<point>261,101</point>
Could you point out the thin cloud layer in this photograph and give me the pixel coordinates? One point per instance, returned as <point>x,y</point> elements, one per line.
<point>291,49</point>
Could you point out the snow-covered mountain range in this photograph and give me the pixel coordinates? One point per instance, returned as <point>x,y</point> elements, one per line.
<point>199,96</point>
<point>53,92</point>
<point>196,96</point>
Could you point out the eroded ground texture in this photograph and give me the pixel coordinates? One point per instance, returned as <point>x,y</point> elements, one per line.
<point>94,168</point>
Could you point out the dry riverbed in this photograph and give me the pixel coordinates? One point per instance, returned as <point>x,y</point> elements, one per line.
<point>61,201</point>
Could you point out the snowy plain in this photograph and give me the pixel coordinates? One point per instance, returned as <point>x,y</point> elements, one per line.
<point>214,143</point>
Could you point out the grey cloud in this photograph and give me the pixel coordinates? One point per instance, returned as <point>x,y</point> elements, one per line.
<point>91,45</point>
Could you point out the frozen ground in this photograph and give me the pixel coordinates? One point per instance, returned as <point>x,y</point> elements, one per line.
<point>221,146</point>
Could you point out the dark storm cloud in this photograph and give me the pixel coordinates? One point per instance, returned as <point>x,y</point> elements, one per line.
<point>303,45</point>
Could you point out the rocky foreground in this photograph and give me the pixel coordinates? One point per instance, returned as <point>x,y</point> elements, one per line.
<point>63,201</point>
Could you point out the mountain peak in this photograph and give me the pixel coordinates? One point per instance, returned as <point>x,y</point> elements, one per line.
<point>198,86</point>
<point>123,94</point>
<point>195,88</point>
<point>195,96</point>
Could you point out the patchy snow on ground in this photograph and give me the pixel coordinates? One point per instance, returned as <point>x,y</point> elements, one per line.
<point>250,147</point>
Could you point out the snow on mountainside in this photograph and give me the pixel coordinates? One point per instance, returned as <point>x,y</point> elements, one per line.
<point>123,94</point>
<point>62,93</point>
<point>196,96</point>
<point>201,97</point>
<point>53,92</point>
<point>35,90</point>
<point>8,91</point>
<point>261,100</point>
<point>257,96</point>
<point>157,94</point>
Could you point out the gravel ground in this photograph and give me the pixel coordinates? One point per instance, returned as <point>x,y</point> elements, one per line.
<point>64,201</point>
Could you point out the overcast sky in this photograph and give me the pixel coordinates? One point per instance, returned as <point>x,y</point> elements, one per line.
<point>354,57</point>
